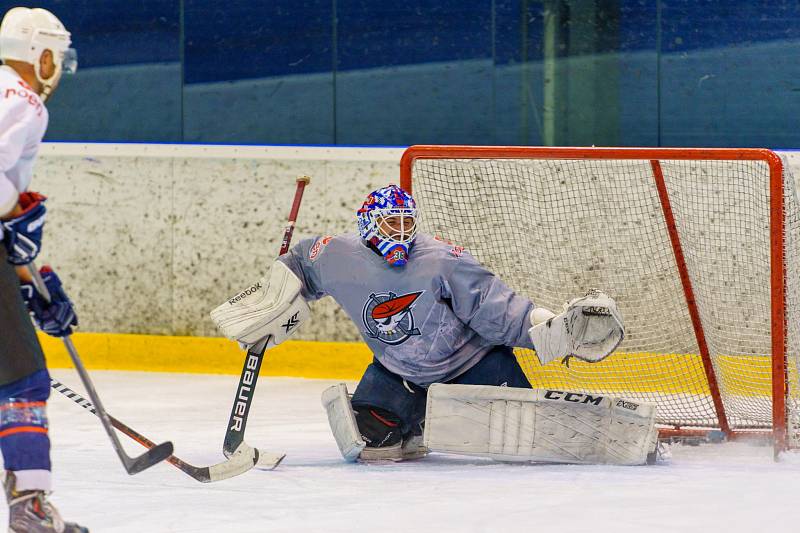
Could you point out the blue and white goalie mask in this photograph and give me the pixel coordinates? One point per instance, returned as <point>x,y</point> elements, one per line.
<point>388,221</point>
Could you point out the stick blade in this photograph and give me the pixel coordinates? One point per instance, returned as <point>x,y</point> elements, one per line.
<point>268,461</point>
<point>261,459</point>
<point>239,463</point>
<point>149,458</point>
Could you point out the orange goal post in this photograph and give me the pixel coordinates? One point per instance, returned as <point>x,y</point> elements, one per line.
<point>698,246</point>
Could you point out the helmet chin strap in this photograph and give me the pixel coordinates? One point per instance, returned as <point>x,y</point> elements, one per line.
<point>46,90</point>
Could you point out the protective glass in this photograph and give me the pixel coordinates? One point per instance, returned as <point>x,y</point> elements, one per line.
<point>69,61</point>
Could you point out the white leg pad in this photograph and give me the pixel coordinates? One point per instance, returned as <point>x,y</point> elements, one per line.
<point>343,422</point>
<point>511,424</point>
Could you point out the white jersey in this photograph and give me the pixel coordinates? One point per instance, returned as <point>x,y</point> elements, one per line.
<point>23,122</point>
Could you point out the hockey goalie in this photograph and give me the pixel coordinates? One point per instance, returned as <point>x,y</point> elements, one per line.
<point>442,329</point>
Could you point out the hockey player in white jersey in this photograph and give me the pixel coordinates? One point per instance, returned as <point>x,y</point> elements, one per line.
<point>431,314</point>
<point>35,49</point>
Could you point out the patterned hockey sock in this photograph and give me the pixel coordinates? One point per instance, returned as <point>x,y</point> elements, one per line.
<point>24,438</point>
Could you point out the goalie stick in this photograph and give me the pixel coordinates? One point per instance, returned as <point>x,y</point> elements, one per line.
<point>133,465</point>
<point>238,464</point>
<point>237,423</point>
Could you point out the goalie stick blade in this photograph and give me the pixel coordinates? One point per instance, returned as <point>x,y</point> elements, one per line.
<point>268,461</point>
<point>234,466</point>
<point>265,460</point>
<point>228,469</point>
<point>149,458</point>
<point>239,463</point>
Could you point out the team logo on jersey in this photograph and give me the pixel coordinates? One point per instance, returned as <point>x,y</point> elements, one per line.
<point>318,246</point>
<point>455,250</point>
<point>389,318</point>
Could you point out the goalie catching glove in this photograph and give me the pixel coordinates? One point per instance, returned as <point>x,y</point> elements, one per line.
<point>273,307</point>
<point>590,328</point>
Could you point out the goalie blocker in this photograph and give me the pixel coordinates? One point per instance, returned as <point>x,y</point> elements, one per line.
<point>511,424</point>
<point>272,307</point>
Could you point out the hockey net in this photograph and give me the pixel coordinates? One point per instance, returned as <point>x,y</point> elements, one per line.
<point>698,246</point>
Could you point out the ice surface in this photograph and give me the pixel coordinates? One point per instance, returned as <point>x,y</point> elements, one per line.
<point>734,487</point>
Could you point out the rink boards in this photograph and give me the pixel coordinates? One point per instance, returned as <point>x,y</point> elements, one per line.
<point>347,360</point>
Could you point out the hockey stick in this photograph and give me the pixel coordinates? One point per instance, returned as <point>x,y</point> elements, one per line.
<point>238,464</point>
<point>234,435</point>
<point>133,465</point>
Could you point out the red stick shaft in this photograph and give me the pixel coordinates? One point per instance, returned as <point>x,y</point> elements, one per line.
<point>302,181</point>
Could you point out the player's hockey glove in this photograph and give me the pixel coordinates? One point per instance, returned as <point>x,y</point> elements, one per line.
<point>56,318</point>
<point>23,234</point>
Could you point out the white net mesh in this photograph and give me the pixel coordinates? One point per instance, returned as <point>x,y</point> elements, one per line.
<point>552,229</point>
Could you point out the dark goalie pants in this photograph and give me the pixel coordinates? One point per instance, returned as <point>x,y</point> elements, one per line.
<point>379,388</point>
<point>24,381</point>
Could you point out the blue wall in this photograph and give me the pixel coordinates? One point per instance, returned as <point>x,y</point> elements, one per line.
<point>369,72</point>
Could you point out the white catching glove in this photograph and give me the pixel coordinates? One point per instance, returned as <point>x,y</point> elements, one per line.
<point>271,307</point>
<point>590,328</point>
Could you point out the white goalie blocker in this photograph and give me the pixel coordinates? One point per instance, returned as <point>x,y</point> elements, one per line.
<point>512,424</point>
<point>590,328</point>
<point>272,307</point>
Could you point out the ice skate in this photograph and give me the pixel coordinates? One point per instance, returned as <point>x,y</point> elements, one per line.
<point>413,448</point>
<point>29,511</point>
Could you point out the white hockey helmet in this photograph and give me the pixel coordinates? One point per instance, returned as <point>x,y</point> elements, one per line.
<point>26,33</point>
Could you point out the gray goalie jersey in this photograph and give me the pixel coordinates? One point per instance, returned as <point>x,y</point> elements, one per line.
<point>428,321</point>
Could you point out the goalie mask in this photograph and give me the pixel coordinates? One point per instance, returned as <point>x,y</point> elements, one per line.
<point>26,33</point>
<point>388,221</point>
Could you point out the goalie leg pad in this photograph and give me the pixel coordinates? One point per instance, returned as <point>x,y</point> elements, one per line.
<point>342,421</point>
<point>511,424</point>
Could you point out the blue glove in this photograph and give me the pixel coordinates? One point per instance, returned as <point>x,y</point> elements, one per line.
<point>55,318</point>
<point>23,234</point>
